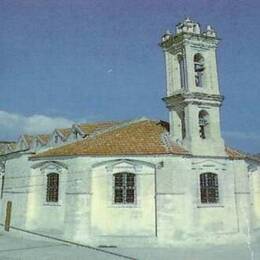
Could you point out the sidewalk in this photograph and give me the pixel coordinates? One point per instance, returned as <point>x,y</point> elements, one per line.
<point>14,246</point>
<point>21,246</point>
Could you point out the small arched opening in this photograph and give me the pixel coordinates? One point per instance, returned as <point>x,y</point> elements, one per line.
<point>199,70</point>
<point>203,124</point>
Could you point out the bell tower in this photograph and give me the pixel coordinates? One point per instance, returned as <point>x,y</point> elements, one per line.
<point>192,96</point>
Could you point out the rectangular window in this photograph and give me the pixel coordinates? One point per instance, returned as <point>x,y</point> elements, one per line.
<point>124,188</point>
<point>2,186</point>
<point>52,187</point>
<point>209,188</point>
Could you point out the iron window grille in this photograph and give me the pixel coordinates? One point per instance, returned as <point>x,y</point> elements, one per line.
<point>2,187</point>
<point>52,187</point>
<point>209,188</point>
<point>124,188</point>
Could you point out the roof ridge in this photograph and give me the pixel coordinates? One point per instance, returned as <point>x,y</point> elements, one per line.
<point>236,150</point>
<point>115,127</point>
<point>112,121</point>
<point>169,143</point>
<point>99,122</point>
<point>28,135</point>
<point>65,128</point>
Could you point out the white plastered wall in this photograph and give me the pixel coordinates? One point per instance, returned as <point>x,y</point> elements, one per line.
<point>43,215</point>
<point>254,179</point>
<point>16,189</point>
<point>86,212</point>
<point>107,218</point>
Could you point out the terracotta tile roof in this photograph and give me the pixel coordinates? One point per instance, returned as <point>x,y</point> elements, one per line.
<point>144,137</point>
<point>12,145</point>
<point>238,155</point>
<point>235,154</point>
<point>253,158</point>
<point>2,148</point>
<point>5,145</point>
<point>29,139</point>
<point>141,137</point>
<point>44,138</point>
<point>93,127</point>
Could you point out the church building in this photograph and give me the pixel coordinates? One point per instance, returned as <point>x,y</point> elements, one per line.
<point>143,181</point>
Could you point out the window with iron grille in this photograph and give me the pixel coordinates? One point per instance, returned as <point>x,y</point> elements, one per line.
<point>209,188</point>
<point>124,188</point>
<point>2,186</point>
<point>52,187</point>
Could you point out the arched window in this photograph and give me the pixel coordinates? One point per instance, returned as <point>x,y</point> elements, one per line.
<point>182,70</point>
<point>52,187</point>
<point>209,188</point>
<point>203,124</point>
<point>199,70</point>
<point>124,188</point>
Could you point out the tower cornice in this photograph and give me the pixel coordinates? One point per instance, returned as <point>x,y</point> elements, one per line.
<point>182,99</point>
<point>196,40</point>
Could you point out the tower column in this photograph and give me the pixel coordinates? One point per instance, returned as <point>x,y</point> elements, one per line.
<point>175,125</point>
<point>192,129</point>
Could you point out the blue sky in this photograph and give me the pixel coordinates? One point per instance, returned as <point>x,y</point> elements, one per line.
<point>81,60</point>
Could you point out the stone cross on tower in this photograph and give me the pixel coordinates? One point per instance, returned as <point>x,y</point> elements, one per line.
<point>193,97</point>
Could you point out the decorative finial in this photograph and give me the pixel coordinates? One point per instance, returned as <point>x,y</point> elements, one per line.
<point>210,31</point>
<point>166,39</point>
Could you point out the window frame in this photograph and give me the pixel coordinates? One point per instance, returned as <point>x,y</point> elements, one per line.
<point>2,186</point>
<point>46,167</point>
<point>125,188</point>
<point>217,197</point>
<point>49,175</point>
